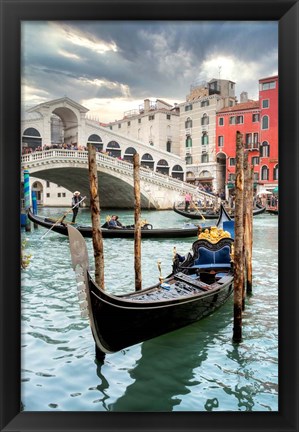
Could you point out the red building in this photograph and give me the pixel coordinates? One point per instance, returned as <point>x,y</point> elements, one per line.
<point>258,122</point>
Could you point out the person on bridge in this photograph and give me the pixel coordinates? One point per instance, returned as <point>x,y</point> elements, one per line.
<point>76,204</point>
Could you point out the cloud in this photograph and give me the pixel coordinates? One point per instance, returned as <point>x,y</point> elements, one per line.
<point>133,60</point>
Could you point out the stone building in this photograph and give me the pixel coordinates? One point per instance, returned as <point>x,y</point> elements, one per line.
<point>198,130</point>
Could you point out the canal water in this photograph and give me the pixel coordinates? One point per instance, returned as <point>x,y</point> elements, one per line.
<point>197,368</point>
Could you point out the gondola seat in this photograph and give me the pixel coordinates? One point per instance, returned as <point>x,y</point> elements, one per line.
<point>208,259</point>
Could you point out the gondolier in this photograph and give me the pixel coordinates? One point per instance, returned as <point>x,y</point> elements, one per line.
<point>76,204</point>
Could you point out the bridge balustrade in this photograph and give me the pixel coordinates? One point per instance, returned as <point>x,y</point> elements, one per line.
<point>110,161</point>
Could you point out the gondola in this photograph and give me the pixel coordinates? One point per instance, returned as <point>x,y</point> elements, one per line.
<point>200,283</point>
<point>86,231</point>
<point>198,214</point>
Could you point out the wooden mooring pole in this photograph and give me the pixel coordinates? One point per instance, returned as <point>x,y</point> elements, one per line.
<point>239,238</point>
<point>137,231</point>
<point>248,224</point>
<point>97,239</point>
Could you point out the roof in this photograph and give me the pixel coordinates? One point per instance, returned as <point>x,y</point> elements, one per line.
<point>241,107</point>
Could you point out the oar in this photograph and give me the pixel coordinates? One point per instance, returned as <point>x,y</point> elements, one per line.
<point>62,217</point>
<point>200,213</point>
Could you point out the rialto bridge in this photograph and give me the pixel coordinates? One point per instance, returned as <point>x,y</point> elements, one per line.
<point>54,139</point>
<point>69,168</point>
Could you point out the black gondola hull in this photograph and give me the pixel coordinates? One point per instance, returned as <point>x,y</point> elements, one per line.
<point>117,326</point>
<point>86,231</point>
<point>206,215</point>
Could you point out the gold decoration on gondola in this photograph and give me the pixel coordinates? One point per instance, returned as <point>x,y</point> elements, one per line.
<point>213,234</point>
<point>161,279</point>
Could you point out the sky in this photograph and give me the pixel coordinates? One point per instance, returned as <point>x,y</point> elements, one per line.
<point>111,66</point>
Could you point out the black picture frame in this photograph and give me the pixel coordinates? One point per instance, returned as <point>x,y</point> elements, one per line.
<point>12,13</point>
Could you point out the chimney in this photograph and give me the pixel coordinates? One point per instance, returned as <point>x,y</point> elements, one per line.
<point>243,97</point>
<point>146,105</point>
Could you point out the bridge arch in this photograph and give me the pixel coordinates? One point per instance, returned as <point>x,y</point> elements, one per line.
<point>31,138</point>
<point>147,161</point>
<point>96,140</point>
<point>177,172</point>
<point>162,167</point>
<point>64,126</point>
<point>129,153</point>
<point>113,148</point>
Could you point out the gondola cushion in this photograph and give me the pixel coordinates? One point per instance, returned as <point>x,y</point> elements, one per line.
<point>212,259</point>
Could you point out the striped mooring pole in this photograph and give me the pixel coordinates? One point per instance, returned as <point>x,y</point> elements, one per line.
<point>34,206</point>
<point>27,197</point>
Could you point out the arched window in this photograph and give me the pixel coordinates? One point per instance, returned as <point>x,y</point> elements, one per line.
<point>204,120</point>
<point>177,172</point>
<point>162,167</point>
<point>96,140</point>
<point>147,161</point>
<point>113,149</point>
<point>31,138</point>
<point>275,172</point>
<point>265,149</point>
<point>188,123</point>
<point>205,139</point>
<point>265,173</point>
<point>265,122</point>
<point>188,141</point>
<point>129,153</point>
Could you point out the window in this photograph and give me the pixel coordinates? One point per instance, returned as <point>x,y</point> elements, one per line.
<point>188,107</point>
<point>231,177</point>
<point>151,117</point>
<point>168,146</point>
<point>255,138</point>
<point>204,103</point>
<point>268,85</point>
<point>265,122</point>
<point>220,141</point>
<point>129,123</point>
<point>255,118</point>
<point>240,119</point>
<point>204,139</point>
<point>59,195</point>
<point>48,195</point>
<point>204,157</point>
<point>188,159</point>
<point>48,184</point>
<point>256,177</point>
<point>255,160</point>
<point>265,173</point>
<point>119,125</point>
<point>221,121</point>
<point>265,103</point>
<point>139,120</point>
<point>188,141</point>
<point>275,172</point>
<point>110,127</point>
<point>232,161</point>
<point>204,120</point>
<point>188,123</point>
<point>265,149</point>
<point>232,120</point>
<point>248,138</point>
<point>168,116</point>
<point>63,194</point>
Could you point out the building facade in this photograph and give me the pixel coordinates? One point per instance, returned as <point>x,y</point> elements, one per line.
<point>154,122</point>
<point>258,123</point>
<point>198,131</point>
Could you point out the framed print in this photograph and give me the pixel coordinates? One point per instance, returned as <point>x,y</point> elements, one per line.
<point>50,377</point>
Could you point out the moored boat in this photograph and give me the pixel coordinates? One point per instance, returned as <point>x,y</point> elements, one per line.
<point>127,232</point>
<point>198,285</point>
<point>210,214</point>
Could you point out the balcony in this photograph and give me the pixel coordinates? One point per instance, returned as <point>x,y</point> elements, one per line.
<point>188,131</point>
